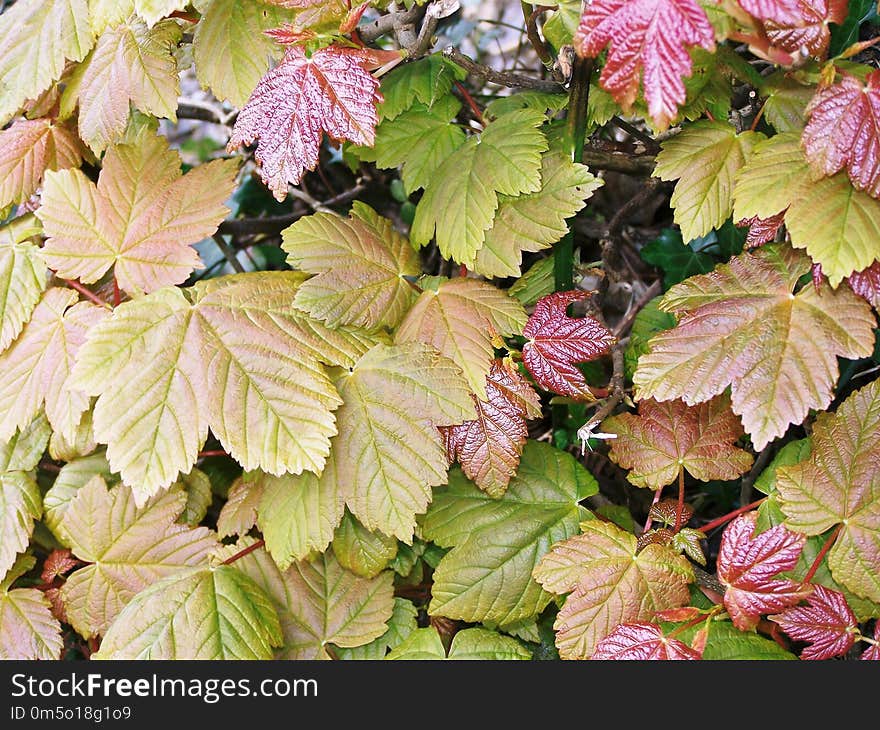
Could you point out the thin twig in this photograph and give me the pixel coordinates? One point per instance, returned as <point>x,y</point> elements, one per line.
<point>246,551</point>
<point>228,253</point>
<point>646,139</point>
<point>649,293</point>
<point>502,78</point>
<point>90,295</point>
<point>745,492</point>
<point>729,516</point>
<point>618,161</point>
<point>535,37</point>
<point>616,384</point>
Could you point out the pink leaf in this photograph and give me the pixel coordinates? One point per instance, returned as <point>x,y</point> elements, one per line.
<point>762,230</point>
<point>556,342</point>
<point>844,131</point>
<point>747,564</point>
<point>779,11</point>
<point>810,29</point>
<point>642,642</point>
<point>826,622</point>
<point>647,39</point>
<point>867,283</point>
<point>295,102</point>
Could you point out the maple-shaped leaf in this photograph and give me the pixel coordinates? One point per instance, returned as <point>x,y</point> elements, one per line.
<point>427,81</point>
<point>867,284</point>
<point>787,99</point>
<point>461,318</point>
<point>647,39</point>
<point>747,564</point>
<point>402,623</point>
<point>140,218</point>
<point>555,343</point>
<point>72,477</point>
<point>24,450</point>
<point>761,230</point>
<point>504,159</point>
<point>23,276</point>
<point>28,630</point>
<point>667,437</point>
<point>320,603</point>
<point>779,11</point>
<point>419,140</point>
<point>872,653</point>
<point>28,148</point>
<point>535,221</point>
<point>238,358</point>
<point>496,542</point>
<point>316,13</point>
<point>330,91</point>
<point>230,48</point>
<point>838,485</point>
<point>704,159</point>
<point>208,613</point>
<point>36,38</point>
<point>610,583</point>
<point>489,447</point>
<point>474,644</point>
<point>642,642</point>
<point>35,369</point>
<point>810,31</point>
<point>239,511</point>
<point>360,264</point>
<point>20,506</point>
<point>364,552</point>
<point>127,548</point>
<point>826,623</point>
<point>745,326</point>
<point>843,131</point>
<point>389,453</point>
<point>298,513</point>
<point>838,225</point>
<point>57,564</point>
<point>131,66</point>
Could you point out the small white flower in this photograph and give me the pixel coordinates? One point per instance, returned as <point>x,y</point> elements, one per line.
<point>585,433</point>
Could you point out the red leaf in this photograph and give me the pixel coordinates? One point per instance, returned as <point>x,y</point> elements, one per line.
<point>762,230</point>
<point>826,622</point>
<point>331,91</point>
<point>58,562</point>
<point>779,11</point>
<point>648,39</point>
<point>872,653</point>
<point>556,342</point>
<point>810,30</point>
<point>867,283</point>
<point>748,562</point>
<point>488,447</point>
<point>642,642</point>
<point>844,131</point>
<point>290,35</point>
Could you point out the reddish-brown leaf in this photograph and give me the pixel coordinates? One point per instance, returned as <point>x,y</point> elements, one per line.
<point>872,653</point>
<point>56,604</point>
<point>489,447</point>
<point>642,642</point>
<point>810,31</point>
<point>647,39</point>
<point>867,283</point>
<point>747,564</point>
<point>666,437</point>
<point>666,511</point>
<point>57,563</point>
<point>826,622</point>
<point>761,230</point>
<point>657,536</point>
<point>843,131</point>
<point>779,11</point>
<point>331,91</point>
<point>556,342</point>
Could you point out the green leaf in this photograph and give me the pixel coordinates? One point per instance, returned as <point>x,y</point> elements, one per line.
<point>772,178</point>
<point>20,507</point>
<point>362,551</point>
<point>541,101</point>
<point>727,643</point>
<point>420,139</point>
<point>128,549</point>
<point>770,513</point>
<point>678,260</point>
<point>389,453</point>
<point>321,604</point>
<point>704,158</point>
<point>505,159</point>
<point>786,101</point>
<point>36,38</point>
<point>537,282</point>
<point>535,221</point>
<point>298,514</point>
<point>487,576</point>
<point>648,322</point>
<point>427,80</point>
<point>561,25</point>
<point>401,624</point>
<point>22,277</point>
<point>473,644</point>
<point>23,451</point>
<point>199,613</point>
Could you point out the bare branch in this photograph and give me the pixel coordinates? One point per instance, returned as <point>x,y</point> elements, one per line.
<point>502,78</point>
